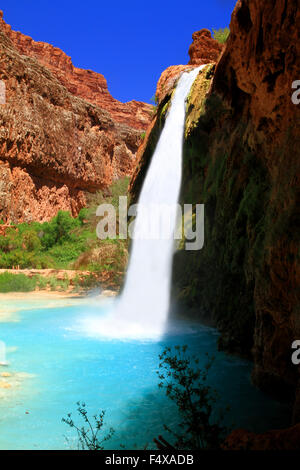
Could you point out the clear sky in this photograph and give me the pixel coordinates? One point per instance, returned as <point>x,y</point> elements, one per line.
<point>130,42</point>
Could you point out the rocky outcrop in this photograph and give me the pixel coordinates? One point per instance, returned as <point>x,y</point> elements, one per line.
<point>55,147</point>
<point>241,159</point>
<point>168,80</point>
<point>86,84</point>
<point>204,49</point>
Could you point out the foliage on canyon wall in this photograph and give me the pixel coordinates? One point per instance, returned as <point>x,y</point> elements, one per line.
<point>221,35</point>
<point>67,243</point>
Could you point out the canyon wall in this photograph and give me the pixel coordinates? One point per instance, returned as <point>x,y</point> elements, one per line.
<point>86,84</point>
<point>62,135</point>
<point>241,159</point>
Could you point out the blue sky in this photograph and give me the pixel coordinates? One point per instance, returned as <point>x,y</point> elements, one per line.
<point>129,42</point>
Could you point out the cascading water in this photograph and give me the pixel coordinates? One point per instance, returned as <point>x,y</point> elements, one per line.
<point>142,309</point>
<point>2,354</point>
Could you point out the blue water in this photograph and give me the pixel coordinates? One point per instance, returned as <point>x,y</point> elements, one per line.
<point>60,365</point>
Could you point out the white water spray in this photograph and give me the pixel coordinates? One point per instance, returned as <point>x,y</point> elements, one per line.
<point>3,361</point>
<point>142,309</point>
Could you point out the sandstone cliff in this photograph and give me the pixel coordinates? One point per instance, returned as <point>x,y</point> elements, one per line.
<point>85,84</point>
<point>241,159</point>
<point>55,146</point>
<point>204,49</point>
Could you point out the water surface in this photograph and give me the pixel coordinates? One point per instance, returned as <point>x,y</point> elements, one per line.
<point>58,364</point>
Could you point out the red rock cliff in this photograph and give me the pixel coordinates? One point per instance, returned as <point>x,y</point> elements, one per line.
<point>254,78</point>
<point>55,146</point>
<point>204,49</point>
<point>85,84</point>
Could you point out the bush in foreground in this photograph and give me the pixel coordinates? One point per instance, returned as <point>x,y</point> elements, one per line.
<point>186,385</point>
<point>89,435</point>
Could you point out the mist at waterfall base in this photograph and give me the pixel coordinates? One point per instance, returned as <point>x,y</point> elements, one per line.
<point>142,309</point>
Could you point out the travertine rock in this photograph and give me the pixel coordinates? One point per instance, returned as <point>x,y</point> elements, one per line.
<point>254,77</point>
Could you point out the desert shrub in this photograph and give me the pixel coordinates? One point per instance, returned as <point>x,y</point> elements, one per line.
<point>53,283</point>
<point>83,214</point>
<point>58,284</point>
<point>65,253</point>
<point>89,436</point>
<point>42,261</point>
<point>86,282</point>
<point>59,229</point>
<point>185,383</point>
<point>4,244</point>
<point>16,283</point>
<point>221,35</point>
<point>41,282</point>
<point>65,223</point>
<point>16,257</point>
<point>118,188</point>
<point>109,253</point>
<point>31,241</point>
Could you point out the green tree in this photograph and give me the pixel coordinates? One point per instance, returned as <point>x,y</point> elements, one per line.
<point>59,229</point>
<point>31,241</point>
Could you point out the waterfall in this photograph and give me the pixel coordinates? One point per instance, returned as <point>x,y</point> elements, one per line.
<point>142,309</point>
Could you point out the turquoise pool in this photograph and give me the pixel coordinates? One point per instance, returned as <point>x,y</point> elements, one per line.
<point>54,363</point>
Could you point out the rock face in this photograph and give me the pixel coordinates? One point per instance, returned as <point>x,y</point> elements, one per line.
<point>281,439</point>
<point>241,159</point>
<point>86,84</point>
<point>204,49</point>
<point>56,147</point>
<point>254,78</point>
<point>168,80</point>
